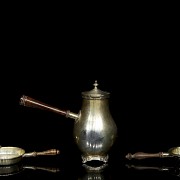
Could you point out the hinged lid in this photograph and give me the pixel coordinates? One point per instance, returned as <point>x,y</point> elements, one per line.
<point>95,93</point>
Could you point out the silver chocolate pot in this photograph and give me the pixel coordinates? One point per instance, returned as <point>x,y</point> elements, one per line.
<point>94,129</point>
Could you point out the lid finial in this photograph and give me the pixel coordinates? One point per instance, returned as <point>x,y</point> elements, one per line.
<point>95,84</point>
<point>95,93</point>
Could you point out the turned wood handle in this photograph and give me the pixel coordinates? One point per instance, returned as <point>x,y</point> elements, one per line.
<point>30,102</point>
<point>47,152</point>
<point>142,155</point>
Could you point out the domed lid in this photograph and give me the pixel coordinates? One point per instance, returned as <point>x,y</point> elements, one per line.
<point>95,93</point>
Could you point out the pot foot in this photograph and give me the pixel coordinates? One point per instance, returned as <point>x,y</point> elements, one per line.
<point>86,158</point>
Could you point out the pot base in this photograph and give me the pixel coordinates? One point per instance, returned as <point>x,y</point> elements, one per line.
<point>86,158</point>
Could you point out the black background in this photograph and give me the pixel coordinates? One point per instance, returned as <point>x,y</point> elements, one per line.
<point>53,55</point>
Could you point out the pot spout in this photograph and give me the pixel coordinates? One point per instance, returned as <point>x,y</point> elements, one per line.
<point>30,102</point>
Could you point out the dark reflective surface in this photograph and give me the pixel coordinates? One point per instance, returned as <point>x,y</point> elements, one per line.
<point>169,168</point>
<point>54,168</point>
<point>10,170</point>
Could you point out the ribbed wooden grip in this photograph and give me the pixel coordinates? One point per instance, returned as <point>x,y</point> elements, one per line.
<point>42,153</point>
<point>142,155</point>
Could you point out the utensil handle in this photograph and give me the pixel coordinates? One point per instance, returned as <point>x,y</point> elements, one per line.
<point>142,155</point>
<point>46,153</point>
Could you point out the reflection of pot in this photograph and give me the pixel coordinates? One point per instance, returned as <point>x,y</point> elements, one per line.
<point>11,155</point>
<point>94,172</point>
<point>94,129</point>
<point>19,167</point>
<point>95,168</point>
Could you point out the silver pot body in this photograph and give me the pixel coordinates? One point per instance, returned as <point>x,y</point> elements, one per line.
<point>95,130</point>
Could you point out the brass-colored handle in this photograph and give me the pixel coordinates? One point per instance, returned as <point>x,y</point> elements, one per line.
<point>47,152</point>
<point>142,155</point>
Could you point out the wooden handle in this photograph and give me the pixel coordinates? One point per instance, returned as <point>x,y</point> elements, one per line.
<point>47,152</point>
<point>30,102</point>
<point>142,155</point>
